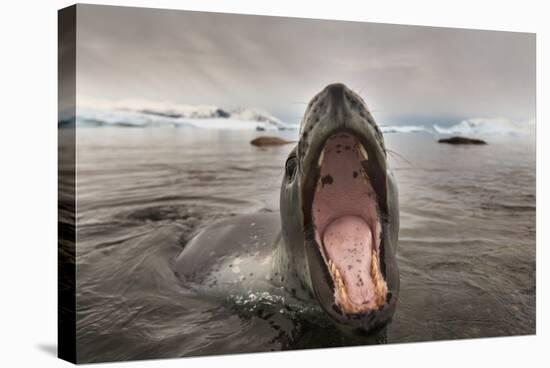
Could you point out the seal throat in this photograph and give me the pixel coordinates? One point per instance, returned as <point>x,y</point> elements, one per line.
<point>347,225</point>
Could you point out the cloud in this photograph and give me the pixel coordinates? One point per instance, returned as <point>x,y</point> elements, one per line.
<point>279,63</point>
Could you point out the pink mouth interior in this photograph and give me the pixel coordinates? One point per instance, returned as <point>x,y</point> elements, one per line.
<point>346,218</point>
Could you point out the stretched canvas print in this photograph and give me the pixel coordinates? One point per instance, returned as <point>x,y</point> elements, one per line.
<point>238,183</point>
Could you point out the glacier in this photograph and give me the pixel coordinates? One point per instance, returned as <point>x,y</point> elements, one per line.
<point>213,117</point>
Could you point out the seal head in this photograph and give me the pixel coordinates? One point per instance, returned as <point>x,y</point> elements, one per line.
<point>339,211</point>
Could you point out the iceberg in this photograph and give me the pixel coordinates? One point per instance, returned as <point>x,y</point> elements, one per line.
<point>205,117</point>
<point>214,117</point>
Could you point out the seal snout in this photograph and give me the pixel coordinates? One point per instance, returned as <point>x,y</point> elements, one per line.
<point>336,97</point>
<point>336,107</point>
<point>336,94</point>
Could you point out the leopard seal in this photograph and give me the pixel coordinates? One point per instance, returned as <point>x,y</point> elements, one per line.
<point>334,242</point>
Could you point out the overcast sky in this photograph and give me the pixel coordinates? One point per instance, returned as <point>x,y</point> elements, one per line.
<point>405,73</point>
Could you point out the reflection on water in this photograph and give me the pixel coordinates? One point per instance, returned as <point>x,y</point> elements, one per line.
<point>466,250</point>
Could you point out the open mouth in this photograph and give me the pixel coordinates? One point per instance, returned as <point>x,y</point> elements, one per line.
<point>347,224</point>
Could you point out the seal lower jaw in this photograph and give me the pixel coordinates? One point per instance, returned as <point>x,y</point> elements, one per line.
<point>360,287</point>
<point>346,225</point>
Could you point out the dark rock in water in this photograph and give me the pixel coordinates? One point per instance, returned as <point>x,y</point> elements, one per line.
<point>268,141</point>
<point>260,128</point>
<point>461,140</point>
<point>222,113</point>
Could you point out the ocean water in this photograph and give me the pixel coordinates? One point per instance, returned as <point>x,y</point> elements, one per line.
<point>466,251</point>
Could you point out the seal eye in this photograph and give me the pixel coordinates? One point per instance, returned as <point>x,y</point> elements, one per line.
<point>290,168</point>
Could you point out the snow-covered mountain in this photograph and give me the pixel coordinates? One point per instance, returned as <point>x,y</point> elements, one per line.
<point>214,112</point>
<point>188,111</point>
<point>201,116</point>
<point>149,114</point>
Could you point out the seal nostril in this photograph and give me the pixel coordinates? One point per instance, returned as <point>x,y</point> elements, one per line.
<point>336,93</point>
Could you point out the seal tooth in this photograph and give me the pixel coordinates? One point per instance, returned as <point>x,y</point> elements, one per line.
<point>340,288</point>
<point>343,293</point>
<point>335,274</point>
<point>380,286</point>
<point>364,176</point>
<point>378,229</point>
<point>321,158</point>
<point>363,152</point>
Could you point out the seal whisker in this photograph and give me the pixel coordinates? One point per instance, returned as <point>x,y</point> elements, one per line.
<point>400,156</point>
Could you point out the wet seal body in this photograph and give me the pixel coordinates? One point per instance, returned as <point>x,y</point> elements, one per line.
<point>333,244</point>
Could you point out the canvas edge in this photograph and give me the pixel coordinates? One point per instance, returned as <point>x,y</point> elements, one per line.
<point>66,277</point>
